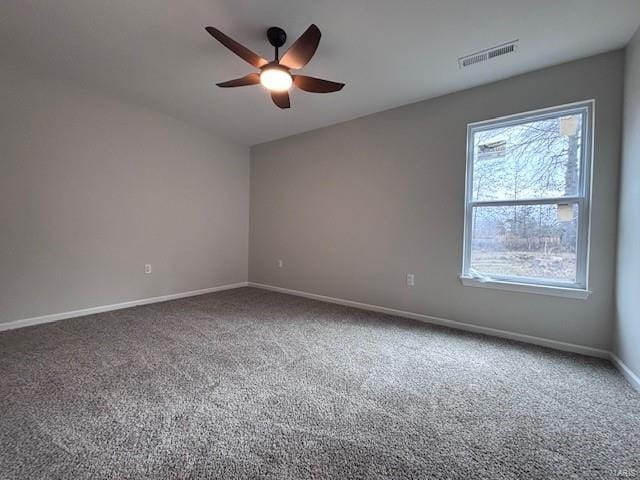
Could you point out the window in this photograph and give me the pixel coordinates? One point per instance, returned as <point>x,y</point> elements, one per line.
<point>527,201</point>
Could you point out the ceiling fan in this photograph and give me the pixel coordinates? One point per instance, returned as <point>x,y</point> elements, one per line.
<point>276,75</point>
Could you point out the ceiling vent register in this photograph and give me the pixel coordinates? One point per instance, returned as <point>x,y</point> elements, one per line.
<point>488,54</point>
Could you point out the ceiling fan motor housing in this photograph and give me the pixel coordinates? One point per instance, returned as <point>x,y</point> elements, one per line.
<point>276,36</point>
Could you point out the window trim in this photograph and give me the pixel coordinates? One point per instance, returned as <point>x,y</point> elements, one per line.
<point>579,289</point>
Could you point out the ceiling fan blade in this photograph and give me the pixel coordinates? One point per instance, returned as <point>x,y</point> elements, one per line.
<point>299,54</point>
<point>251,79</point>
<point>316,85</point>
<point>240,50</point>
<point>281,99</point>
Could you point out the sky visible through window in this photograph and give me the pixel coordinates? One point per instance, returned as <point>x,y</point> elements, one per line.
<point>537,160</point>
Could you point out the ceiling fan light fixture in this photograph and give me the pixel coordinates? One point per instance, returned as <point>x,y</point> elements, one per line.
<point>276,75</point>
<point>276,79</point>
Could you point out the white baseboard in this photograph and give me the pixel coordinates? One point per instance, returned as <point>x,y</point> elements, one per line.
<point>631,377</point>
<point>545,342</point>
<point>27,322</point>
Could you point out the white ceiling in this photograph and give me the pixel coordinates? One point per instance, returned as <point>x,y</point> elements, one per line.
<point>389,53</point>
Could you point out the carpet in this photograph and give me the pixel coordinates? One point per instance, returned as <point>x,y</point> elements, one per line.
<point>251,384</point>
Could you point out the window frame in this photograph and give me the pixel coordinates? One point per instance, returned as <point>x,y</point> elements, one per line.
<point>579,288</point>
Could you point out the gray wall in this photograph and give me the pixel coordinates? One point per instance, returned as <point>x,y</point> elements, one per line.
<point>92,188</point>
<point>354,207</point>
<point>627,333</point>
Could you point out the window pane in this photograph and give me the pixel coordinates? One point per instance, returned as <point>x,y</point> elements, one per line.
<point>537,159</point>
<point>534,241</point>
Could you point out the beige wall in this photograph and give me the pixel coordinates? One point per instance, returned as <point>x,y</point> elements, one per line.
<point>354,207</point>
<point>92,188</point>
<point>627,332</point>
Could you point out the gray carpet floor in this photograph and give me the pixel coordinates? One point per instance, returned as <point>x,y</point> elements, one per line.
<point>258,385</point>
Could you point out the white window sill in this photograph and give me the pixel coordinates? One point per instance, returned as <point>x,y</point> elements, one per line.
<point>526,288</point>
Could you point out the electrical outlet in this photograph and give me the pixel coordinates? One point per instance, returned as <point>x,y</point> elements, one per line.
<point>411,279</point>
<point>280,264</point>
<point>147,268</point>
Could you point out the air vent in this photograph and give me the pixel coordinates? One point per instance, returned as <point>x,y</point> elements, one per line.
<point>488,54</point>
